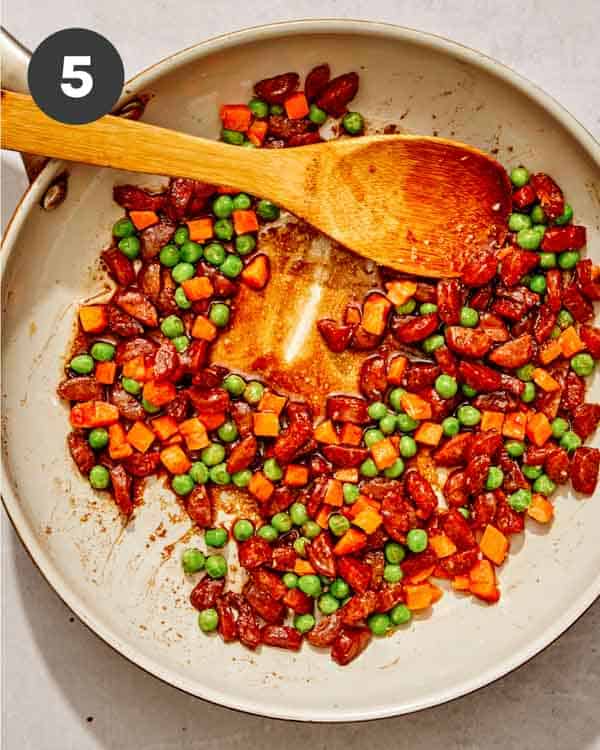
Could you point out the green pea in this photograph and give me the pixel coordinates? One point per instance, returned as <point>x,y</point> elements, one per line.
<point>495,478</point>
<point>387,424</point>
<point>395,398</point>
<point>582,364</point>
<point>427,308</point>
<point>180,343</point>
<point>281,522</point>
<point>272,470</point>
<point>351,493</point>
<point>150,408</point>
<point>232,137</point>
<point>379,623</point>
<point>416,540</point>
<point>532,472</point>
<point>568,259</point>
<point>169,256</point>
<point>102,351</point>
<point>528,394</point>
<point>182,272</point>
<point>339,588</point>
<point>181,299</point>
<point>99,477</point>
<point>245,244</point>
<point>253,392</point>
<point>223,206</point>
<point>519,176</point>
<point>446,386</point>
<point>219,314</point>
<point>182,234</point>
<point>216,566</point>
<point>338,524</point>
<point>353,123</point>
<point>392,573</point>
<point>373,436</point>
<point>300,546</point>
<point>559,427</point>
<point>248,144</point>
<point>310,585</point>
<point>199,472</point>
<point>223,229</point>
<point>377,410</point>
<point>468,415</point>
<point>317,115</point>
<point>208,620</point>
<point>407,308</point>
<point>538,284</point>
<point>268,533</point>
<point>328,604</point>
<point>311,529</point>
<point>130,247</point>
<point>517,221</point>
<point>298,513</point>
<point>529,239</point>
<point>406,423</point>
<point>219,474</point>
<point>304,623</point>
<point>514,448</point>
<point>190,252</point>
<point>123,228</point>
<point>241,202</point>
<point>394,553</point>
<point>547,261</point>
<point>213,454</point>
<point>469,317</point>
<point>464,512</point>
<point>451,426</point>
<point>234,384</point>
<point>570,441</point>
<point>258,108</point>
<point>408,446</point>
<point>432,343</point>
<point>544,485</point>
<point>243,529</point>
<point>468,390</point>
<point>525,372</point>
<point>182,484</point>
<point>520,500</point>
<point>82,364</point>
<point>267,210</point>
<point>98,438</point>
<point>227,432</point>
<point>395,470</point>
<point>537,215</point>
<point>555,332</point>
<point>214,253</point>
<point>566,215</point>
<point>400,614</point>
<point>192,561</point>
<point>368,468</point>
<point>232,266</point>
<point>276,109</point>
<point>565,319</point>
<point>290,580</point>
<point>172,326</point>
<point>242,478</point>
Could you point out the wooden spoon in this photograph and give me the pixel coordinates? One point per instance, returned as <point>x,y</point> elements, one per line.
<point>413,203</point>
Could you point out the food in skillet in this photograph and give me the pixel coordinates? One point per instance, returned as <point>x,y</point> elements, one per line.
<point>473,387</point>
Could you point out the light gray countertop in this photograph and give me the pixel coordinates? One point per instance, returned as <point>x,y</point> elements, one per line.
<point>62,688</point>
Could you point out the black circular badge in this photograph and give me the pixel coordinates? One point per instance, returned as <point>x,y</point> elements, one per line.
<point>75,76</point>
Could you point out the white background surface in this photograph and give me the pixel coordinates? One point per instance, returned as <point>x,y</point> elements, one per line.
<point>63,689</point>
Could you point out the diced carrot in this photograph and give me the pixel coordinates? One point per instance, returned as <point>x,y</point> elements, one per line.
<point>164,427</point>
<point>303,567</point>
<point>347,475</point>
<point>236,117</point>
<point>399,292</point>
<point>212,420</point>
<point>296,106</point>
<point>396,369</point>
<point>143,219</point>
<point>106,372</point>
<point>418,596</point>
<point>550,351</point>
<point>491,420</point>
<point>159,393</point>
<point>197,288</point>
<point>482,572</point>
<point>118,447</point>
<point>352,315</point>
<point>135,368</point>
<point>570,343</point>
<point>352,541</point>
<point>429,433</point>
<point>323,516</point>
<point>461,583</point>
<point>422,575</point>
<point>487,591</point>
<point>325,433</point>
<point>94,414</point>
<point>436,593</point>
<point>494,544</point>
<point>368,520</point>
<point>514,425</point>
<point>272,402</point>
<point>256,273</point>
<point>350,434</point>
<point>200,229</point>
<point>175,460</point>
<point>265,424</point>
<point>245,221</point>
<point>375,313</point>
<point>415,406</point>
<point>334,494</point>
<point>226,190</point>
<point>194,433</point>
<point>442,545</point>
<point>539,429</point>
<point>545,381</point>
<point>257,132</point>
<point>174,440</point>
<point>140,436</point>
<point>384,453</point>
<point>261,487</point>
<point>540,509</point>
<point>363,503</point>
<point>204,328</point>
<point>295,475</point>
<point>93,318</point>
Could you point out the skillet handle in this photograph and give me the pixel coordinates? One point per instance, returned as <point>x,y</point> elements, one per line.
<point>14,61</point>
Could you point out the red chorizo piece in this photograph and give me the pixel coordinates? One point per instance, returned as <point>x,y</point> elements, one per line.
<point>498,401</point>
<point>510,310</point>
<point>554,289</point>
<point>345,456</point>
<point>514,353</point>
<point>209,400</point>
<point>585,280</point>
<point>154,238</point>
<point>227,627</point>
<point>121,484</point>
<point>298,601</point>
<point>326,630</point>
<point>138,347</point>
<point>415,564</point>
<point>316,80</point>
<point>356,573</point>
<point>277,89</point>
<point>320,555</point>
<point>129,407</point>
<point>579,307</point>
<point>494,326</point>
<point>390,594</point>
<point>82,388</point>
<point>460,563</point>
<point>446,361</point>
<point>479,377</point>
<point>454,489</point>
<point>349,644</point>
<point>481,298</point>
<point>480,268</point>
<point>206,593</point>
<point>177,198</point>
<point>488,443</point>
<point>573,393</point>
<point>142,464</point>
<point>247,626</point>
<point>372,379</point>
<point>255,552</point>
<point>284,558</point>
<point>264,604</point>
<point>280,500</point>
<point>178,408</point>
<point>507,520</point>
<point>449,300</point>
<point>515,265</point>
<point>476,474</point>
<point>456,527</point>
<point>347,409</point>
<point>166,362</point>
<point>468,342</point>
<point>558,239</point>
<point>138,306</point>
<point>199,507</point>
<point>242,454</point>
<point>409,330</point>
<point>420,491</point>
<point>281,636</point>
<point>420,375</point>
<point>359,607</point>
<point>557,465</point>
<point>483,510</point>
<point>544,323</point>
<point>363,340</point>
<point>523,197</point>
<point>119,266</point>
<point>81,452</point>
<point>549,194</point>
<point>202,192</point>
<point>336,335</point>
<point>514,478</point>
<point>584,470</point>
<point>399,517</point>
<point>122,324</point>
<point>376,561</point>
<point>338,93</point>
<point>134,198</point>
<point>298,431</point>
<point>242,416</point>
<point>285,128</point>
<point>585,419</point>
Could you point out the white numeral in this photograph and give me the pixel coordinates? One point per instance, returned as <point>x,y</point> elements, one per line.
<point>86,82</point>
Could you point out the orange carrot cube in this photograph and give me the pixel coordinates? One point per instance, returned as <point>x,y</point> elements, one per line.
<point>106,372</point>
<point>260,487</point>
<point>539,429</point>
<point>494,544</point>
<point>415,406</point>
<point>236,117</point>
<point>159,393</point>
<point>429,433</point>
<point>204,328</point>
<point>296,106</point>
<point>334,494</point>
<point>442,545</point>
<point>296,475</point>
<point>570,343</point>
<point>164,427</point>
<point>347,475</point>
<point>545,381</point>
<point>325,433</point>
<point>175,460</point>
<point>265,424</point>
<point>118,447</point>
<point>93,318</point>
<point>375,313</point>
<point>256,273</point>
<point>198,288</point>
<point>396,370</point>
<point>245,221</point>
<point>492,420</point>
<point>135,368</point>
<point>540,509</point>
<point>350,434</point>
<point>514,425</point>
<point>399,292</point>
<point>143,219</point>
<point>94,414</point>
<point>272,402</point>
<point>194,433</point>
<point>200,229</point>
<point>368,520</point>
<point>384,453</point>
<point>257,132</point>
<point>140,436</point>
<point>550,351</point>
